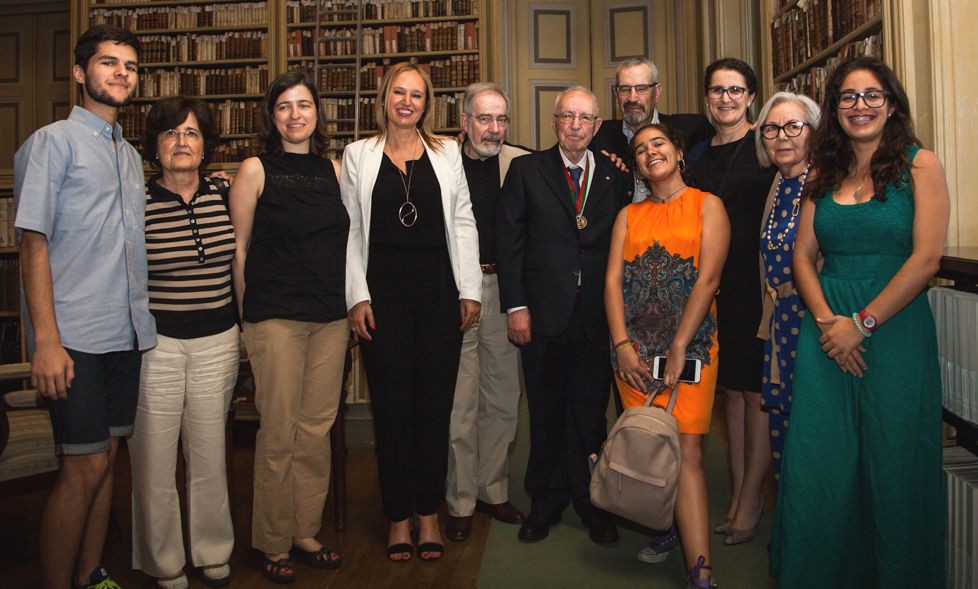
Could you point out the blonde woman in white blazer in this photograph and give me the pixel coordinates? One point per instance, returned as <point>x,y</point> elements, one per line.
<point>413,285</point>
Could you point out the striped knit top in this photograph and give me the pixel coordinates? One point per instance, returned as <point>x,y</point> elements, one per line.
<point>189,247</point>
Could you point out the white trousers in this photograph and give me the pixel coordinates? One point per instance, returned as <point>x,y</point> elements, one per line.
<point>185,388</point>
<point>485,410</point>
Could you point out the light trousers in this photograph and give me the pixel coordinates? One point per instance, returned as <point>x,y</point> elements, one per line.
<point>185,388</point>
<point>298,368</point>
<point>485,410</point>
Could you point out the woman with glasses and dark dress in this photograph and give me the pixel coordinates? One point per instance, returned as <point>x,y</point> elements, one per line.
<point>861,496</point>
<point>727,166</point>
<point>411,217</point>
<point>784,128</point>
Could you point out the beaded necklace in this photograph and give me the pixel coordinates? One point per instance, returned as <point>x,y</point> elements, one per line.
<point>795,208</point>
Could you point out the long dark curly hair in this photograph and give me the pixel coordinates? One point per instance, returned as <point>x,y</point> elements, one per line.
<point>831,150</point>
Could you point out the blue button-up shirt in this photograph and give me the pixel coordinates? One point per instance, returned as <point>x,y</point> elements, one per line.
<point>641,191</point>
<point>85,193</point>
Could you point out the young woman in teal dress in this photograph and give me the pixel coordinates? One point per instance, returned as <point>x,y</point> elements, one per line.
<point>861,498</point>
<point>784,128</point>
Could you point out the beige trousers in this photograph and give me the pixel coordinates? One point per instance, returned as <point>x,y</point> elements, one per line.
<point>298,369</point>
<point>185,388</point>
<point>485,410</point>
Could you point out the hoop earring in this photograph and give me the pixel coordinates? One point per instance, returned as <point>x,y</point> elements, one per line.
<point>682,166</point>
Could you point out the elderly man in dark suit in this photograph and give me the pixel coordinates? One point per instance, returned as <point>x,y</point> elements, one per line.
<point>638,89</point>
<point>553,228</point>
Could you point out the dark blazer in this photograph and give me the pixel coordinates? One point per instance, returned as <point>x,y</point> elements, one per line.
<point>539,248</point>
<point>693,128</point>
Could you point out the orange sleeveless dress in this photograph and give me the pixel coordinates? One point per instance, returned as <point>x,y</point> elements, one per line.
<point>661,255</point>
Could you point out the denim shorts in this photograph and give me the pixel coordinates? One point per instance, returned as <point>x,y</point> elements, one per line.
<point>101,402</point>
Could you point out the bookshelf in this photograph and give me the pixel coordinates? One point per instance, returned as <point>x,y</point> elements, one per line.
<point>347,47</point>
<point>226,51</point>
<point>11,334</point>
<point>808,39</point>
<point>220,51</point>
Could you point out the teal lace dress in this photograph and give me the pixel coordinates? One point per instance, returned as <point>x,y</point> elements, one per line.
<point>861,498</point>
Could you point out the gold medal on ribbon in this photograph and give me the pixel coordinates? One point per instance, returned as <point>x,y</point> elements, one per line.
<point>581,221</point>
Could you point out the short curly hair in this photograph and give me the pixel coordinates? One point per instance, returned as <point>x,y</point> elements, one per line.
<point>170,113</point>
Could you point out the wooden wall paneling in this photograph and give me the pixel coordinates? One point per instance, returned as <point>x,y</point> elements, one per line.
<point>544,93</point>
<point>17,99</point>
<point>954,92</point>
<point>53,59</point>
<point>552,37</point>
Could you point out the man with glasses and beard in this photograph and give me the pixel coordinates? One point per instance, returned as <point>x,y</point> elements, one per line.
<point>638,89</point>
<point>487,391</point>
<point>80,217</point>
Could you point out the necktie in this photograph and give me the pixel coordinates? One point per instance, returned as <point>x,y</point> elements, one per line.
<point>575,173</point>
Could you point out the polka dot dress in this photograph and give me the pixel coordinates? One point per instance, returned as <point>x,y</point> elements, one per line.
<point>777,247</point>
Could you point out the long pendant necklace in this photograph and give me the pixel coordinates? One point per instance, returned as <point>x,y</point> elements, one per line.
<point>795,209</point>
<point>407,213</point>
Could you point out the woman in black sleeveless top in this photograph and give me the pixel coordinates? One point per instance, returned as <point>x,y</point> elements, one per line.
<point>289,272</point>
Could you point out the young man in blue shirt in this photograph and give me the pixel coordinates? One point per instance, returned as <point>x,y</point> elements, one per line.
<point>80,217</point>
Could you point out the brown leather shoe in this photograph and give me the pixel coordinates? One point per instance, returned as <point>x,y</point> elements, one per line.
<point>459,528</point>
<point>504,512</point>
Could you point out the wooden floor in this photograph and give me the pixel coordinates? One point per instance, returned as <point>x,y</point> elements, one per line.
<point>362,543</point>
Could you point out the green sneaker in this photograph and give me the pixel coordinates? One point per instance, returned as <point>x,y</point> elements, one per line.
<point>99,579</point>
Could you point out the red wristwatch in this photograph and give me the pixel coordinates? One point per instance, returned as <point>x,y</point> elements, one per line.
<point>868,321</point>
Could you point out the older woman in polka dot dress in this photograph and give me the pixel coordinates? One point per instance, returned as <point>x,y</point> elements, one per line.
<point>784,127</point>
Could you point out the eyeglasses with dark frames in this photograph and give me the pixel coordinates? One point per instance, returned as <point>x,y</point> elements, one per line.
<point>640,89</point>
<point>734,92</point>
<point>791,129</point>
<point>871,98</point>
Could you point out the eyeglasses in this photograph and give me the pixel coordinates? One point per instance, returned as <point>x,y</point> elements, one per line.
<point>486,120</point>
<point>566,118</point>
<point>791,129</point>
<point>717,92</point>
<point>640,89</point>
<point>188,134</point>
<point>871,98</point>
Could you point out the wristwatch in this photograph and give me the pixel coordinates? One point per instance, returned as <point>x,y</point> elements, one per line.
<point>868,321</point>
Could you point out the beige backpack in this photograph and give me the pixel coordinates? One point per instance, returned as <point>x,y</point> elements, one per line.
<point>637,475</point>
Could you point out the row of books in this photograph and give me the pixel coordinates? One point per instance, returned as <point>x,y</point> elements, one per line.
<point>456,71</point>
<point>809,27</point>
<point>183,17</point>
<point>10,289</point>
<point>301,11</point>
<point>192,47</point>
<point>389,39</point>
<point>956,319</point>
<point>198,82</point>
<point>812,81</point>
<point>961,540</point>
<point>231,117</point>
<point>8,210</point>
<point>10,345</point>
<point>235,150</point>
<point>383,9</point>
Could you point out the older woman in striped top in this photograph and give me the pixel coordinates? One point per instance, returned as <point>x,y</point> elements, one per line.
<point>187,379</point>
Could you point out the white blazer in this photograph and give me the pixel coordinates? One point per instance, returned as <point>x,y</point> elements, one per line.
<point>361,164</point>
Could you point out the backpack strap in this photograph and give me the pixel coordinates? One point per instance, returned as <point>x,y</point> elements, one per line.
<point>672,399</point>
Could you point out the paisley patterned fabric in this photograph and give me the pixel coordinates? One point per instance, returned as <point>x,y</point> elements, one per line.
<point>661,250</point>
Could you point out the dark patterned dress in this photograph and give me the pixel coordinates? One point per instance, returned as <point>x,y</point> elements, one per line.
<point>661,257</point>
<point>784,321</point>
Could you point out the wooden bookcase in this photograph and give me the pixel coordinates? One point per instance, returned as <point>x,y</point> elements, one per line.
<point>226,51</point>
<point>808,39</point>
<point>347,45</point>
<point>220,51</point>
